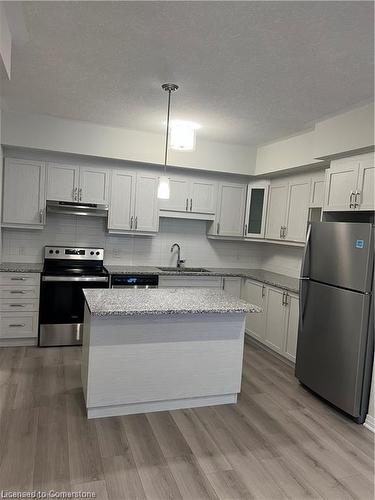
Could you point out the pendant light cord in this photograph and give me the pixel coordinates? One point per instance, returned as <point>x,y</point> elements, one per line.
<point>167,134</point>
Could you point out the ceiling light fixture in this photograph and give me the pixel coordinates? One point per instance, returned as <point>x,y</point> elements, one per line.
<point>163,188</point>
<point>183,135</point>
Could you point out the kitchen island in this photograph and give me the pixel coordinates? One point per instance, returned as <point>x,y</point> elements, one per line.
<point>161,349</point>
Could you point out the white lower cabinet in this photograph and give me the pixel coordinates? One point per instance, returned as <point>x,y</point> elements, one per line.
<point>277,325</point>
<point>255,293</point>
<point>291,327</point>
<point>275,319</point>
<point>19,306</point>
<point>232,285</point>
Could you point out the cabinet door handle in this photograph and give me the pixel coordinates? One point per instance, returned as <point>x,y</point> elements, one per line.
<point>286,298</point>
<point>356,203</point>
<point>281,232</point>
<point>18,291</point>
<point>18,279</point>
<point>41,212</point>
<point>351,204</point>
<point>19,325</point>
<point>218,228</point>
<point>245,230</point>
<point>136,223</point>
<point>17,305</point>
<point>80,194</point>
<point>191,204</point>
<point>263,291</point>
<point>131,222</point>
<point>187,204</point>
<point>285,232</point>
<point>283,299</point>
<point>74,194</point>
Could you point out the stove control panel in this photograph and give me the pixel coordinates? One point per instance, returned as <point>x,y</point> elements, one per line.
<point>73,253</point>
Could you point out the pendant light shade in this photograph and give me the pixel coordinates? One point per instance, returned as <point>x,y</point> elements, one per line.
<point>163,187</point>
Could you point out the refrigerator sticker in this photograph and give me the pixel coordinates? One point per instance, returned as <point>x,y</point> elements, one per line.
<point>360,244</point>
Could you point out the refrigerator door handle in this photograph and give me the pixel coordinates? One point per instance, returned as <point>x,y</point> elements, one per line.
<point>305,266</point>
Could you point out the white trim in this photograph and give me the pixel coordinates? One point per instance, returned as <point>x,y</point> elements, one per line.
<point>370,423</point>
<point>172,404</point>
<point>18,342</point>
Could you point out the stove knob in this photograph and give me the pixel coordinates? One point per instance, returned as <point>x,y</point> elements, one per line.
<point>97,253</point>
<point>57,251</point>
<point>91,253</point>
<point>51,251</point>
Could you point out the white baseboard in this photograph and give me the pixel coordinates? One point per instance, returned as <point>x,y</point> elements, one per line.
<point>370,423</point>
<point>18,342</point>
<point>174,404</point>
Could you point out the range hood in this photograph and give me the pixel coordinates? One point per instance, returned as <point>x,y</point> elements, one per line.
<point>72,208</point>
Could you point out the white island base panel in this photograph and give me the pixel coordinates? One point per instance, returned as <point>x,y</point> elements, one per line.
<point>147,363</point>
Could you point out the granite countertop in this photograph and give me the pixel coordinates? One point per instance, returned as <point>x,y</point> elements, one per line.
<point>270,278</point>
<point>274,279</point>
<point>21,267</point>
<point>134,302</point>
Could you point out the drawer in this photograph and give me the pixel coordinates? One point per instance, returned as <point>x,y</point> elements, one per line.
<point>21,305</point>
<point>190,281</point>
<point>18,325</point>
<point>19,279</point>
<point>19,292</point>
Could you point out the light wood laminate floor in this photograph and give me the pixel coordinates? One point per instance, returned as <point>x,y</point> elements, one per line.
<point>278,442</point>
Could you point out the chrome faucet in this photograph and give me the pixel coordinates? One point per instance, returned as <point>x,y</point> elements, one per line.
<point>179,260</point>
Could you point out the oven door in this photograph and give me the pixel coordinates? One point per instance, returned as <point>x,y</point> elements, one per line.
<point>62,308</point>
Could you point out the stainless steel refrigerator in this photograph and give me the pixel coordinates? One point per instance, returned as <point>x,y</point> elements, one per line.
<point>336,328</point>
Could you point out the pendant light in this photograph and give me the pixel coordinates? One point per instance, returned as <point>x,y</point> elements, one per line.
<point>163,188</point>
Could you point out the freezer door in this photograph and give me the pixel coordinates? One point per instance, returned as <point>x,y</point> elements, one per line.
<point>332,343</point>
<point>341,254</point>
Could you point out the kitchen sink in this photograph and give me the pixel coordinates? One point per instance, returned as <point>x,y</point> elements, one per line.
<point>185,269</point>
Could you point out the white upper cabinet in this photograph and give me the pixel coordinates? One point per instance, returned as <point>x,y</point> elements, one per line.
<point>122,200</point>
<point>62,182</point>
<point>350,184</point>
<point>288,208</point>
<point>276,209</point>
<point>24,194</point>
<point>134,204</point>
<point>80,184</point>
<point>94,185</point>
<point>365,196</point>
<point>231,209</point>
<point>191,195</point>
<point>146,203</point>
<point>256,209</point>
<point>340,185</point>
<point>317,191</point>
<point>203,196</point>
<point>297,211</point>
<point>179,195</point>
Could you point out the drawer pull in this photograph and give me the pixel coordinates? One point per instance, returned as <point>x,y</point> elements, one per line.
<point>17,291</point>
<point>17,305</point>
<point>17,279</point>
<point>19,325</point>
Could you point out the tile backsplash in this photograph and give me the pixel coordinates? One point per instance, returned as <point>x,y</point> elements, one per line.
<point>196,248</point>
<point>26,245</point>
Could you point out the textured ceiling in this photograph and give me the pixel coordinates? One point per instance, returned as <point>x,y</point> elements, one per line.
<point>249,71</point>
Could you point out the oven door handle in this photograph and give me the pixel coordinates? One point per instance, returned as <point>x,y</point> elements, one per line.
<point>83,279</point>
